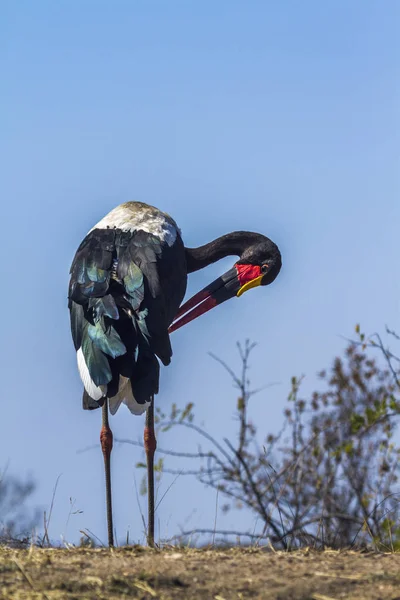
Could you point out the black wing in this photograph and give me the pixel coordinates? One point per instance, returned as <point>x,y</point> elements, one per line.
<point>125,289</point>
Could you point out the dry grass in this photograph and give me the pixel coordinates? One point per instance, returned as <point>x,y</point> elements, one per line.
<point>136,572</point>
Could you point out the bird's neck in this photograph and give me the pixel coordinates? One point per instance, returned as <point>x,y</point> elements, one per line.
<point>231,244</point>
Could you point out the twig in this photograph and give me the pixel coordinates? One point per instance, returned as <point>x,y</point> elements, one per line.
<point>388,355</point>
<point>197,473</point>
<point>29,579</point>
<point>256,492</point>
<point>371,513</point>
<point>163,451</point>
<point>276,501</point>
<point>217,532</point>
<point>93,535</point>
<point>167,490</point>
<point>235,379</point>
<point>318,518</point>
<point>215,519</point>
<point>203,434</point>
<point>138,503</point>
<point>47,522</point>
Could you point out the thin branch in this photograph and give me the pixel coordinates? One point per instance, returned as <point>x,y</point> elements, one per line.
<point>392,333</point>
<point>47,521</point>
<point>373,511</point>
<point>167,490</point>
<point>256,492</point>
<point>323,517</point>
<point>235,379</point>
<point>167,452</point>
<point>388,355</point>
<point>217,532</point>
<point>205,435</point>
<point>93,535</point>
<point>196,473</point>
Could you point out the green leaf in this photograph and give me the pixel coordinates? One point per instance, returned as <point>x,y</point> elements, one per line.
<point>158,467</point>
<point>174,412</point>
<point>186,411</point>
<point>356,421</point>
<point>348,448</point>
<point>143,486</point>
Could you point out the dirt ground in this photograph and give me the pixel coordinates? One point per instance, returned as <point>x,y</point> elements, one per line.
<point>212,574</point>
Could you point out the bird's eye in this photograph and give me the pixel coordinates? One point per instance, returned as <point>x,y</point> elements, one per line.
<point>265,268</point>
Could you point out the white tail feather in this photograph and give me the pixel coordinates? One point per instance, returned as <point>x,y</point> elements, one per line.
<point>126,396</point>
<point>92,389</point>
<point>115,402</point>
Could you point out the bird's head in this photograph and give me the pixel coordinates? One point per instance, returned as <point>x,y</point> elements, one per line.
<point>259,264</point>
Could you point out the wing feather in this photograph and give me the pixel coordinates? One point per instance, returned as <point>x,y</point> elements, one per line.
<point>120,314</point>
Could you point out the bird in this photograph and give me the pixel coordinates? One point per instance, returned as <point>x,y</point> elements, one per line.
<point>127,282</point>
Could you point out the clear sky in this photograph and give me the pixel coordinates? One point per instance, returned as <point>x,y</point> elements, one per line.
<point>278,117</point>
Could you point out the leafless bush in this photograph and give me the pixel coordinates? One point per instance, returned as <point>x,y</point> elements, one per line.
<point>329,477</point>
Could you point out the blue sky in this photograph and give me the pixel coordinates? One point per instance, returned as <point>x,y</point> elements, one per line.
<point>274,117</point>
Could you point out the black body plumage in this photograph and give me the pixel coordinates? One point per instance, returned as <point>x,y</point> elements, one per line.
<point>125,289</point>
<point>128,279</point>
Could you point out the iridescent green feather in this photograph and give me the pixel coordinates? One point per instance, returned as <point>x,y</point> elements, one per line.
<point>104,307</point>
<point>141,322</point>
<point>133,282</point>
<point>96,361</point>
<point>96,274</point>
<point>107,340</point>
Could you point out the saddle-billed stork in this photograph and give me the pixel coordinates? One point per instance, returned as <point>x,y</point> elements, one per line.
<point>128,279</point>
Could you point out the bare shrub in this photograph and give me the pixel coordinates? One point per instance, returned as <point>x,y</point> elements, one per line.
<point>329,477</point>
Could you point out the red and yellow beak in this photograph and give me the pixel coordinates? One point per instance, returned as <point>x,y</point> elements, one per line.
<point>234,282</point>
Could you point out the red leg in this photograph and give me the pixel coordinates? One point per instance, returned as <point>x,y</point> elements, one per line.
<point>150,445</point>
<point>106,439</point>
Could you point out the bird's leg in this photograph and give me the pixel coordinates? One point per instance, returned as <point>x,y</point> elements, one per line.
<point>150,445</point>
<point>106,439</point>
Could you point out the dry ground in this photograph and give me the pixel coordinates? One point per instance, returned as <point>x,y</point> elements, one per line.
<point>213,574</point>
